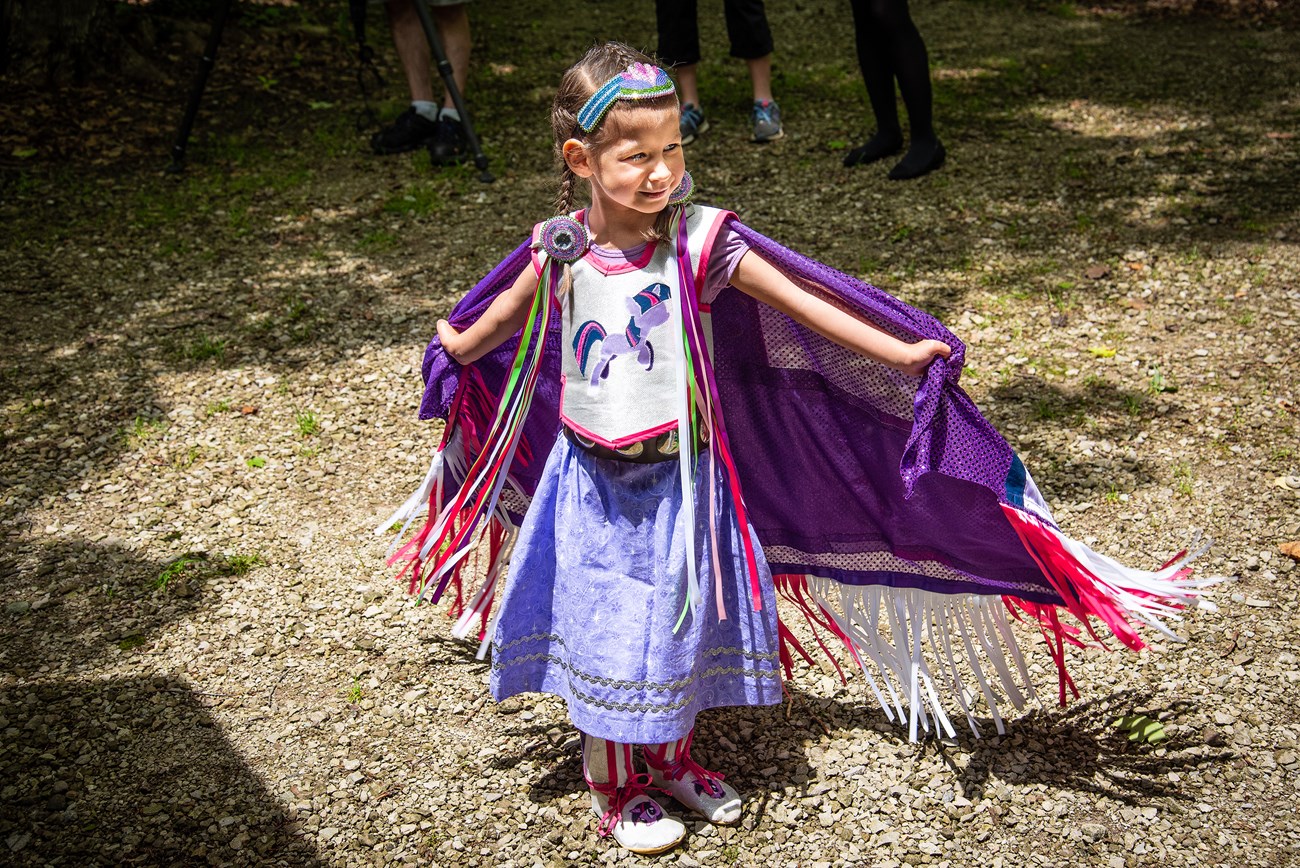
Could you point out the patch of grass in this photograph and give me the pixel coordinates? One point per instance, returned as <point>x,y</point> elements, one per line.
<point>333,137</point>
<point>256,461</point>
<point>295,308</point>
<point>1159,383</point>
<point>307,423</point>
<point>1183,482</point>
<point>216,407</point>
<point>1282,453</point>
<point>187,459</point>
<point>354,691</point>
<point>419,200</point>
<point>239,565</point>
<point>190,564</point>
<point>870,266</point>
<point>206,347</point>
<point>195,566</point>
<point>1133,404</point>
<point>379,241</point>
<point>1045,410</point>
<point>142,430</point>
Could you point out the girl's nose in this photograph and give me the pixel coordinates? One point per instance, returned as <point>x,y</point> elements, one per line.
<point>661,171</point>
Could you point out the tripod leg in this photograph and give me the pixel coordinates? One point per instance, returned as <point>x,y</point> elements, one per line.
<point>449,81</point>
<point>208,61</point>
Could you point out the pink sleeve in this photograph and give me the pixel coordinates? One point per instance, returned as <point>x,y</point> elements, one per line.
<point>728,248</point>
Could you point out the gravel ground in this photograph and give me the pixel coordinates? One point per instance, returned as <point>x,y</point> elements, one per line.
<point>209,389</point>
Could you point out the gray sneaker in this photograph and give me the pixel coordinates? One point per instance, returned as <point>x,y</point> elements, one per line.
<point>766,116</point>
<point>693,122</point>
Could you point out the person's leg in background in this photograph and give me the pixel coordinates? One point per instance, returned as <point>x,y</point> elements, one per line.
<point>889,46</point>
<point>426,123</point>
<point>452,21</point>
<point>679,49</point>
<point>751,41</point>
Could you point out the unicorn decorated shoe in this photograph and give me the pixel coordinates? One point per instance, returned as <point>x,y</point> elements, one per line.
<point>696,788</point>
<point>636,821</point>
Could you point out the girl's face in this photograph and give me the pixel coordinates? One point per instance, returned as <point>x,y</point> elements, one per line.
<point>639,166</point>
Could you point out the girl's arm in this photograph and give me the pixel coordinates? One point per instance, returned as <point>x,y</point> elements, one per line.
<point>504,316</point>
<point>758,278</point>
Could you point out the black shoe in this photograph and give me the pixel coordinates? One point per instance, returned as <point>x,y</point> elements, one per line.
<point>878,147</point>
<point>920,159</point>
<point>410,131</point>
<point>448,143</point>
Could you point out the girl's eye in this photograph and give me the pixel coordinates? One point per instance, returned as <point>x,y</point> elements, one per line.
<point>674,146</point>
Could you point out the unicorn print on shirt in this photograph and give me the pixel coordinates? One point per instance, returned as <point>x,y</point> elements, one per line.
<point>649,309</point>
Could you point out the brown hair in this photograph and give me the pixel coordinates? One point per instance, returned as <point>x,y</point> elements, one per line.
<point>598,65</point>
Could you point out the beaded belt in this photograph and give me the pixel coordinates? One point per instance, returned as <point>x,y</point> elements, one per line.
<point>650,451</point>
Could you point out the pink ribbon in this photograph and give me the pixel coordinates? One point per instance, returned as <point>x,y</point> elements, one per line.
<point>682,764</point>
<point>618,798</point>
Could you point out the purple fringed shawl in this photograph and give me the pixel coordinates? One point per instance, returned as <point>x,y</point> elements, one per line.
<point>848,469</point>
<point>855,477</point>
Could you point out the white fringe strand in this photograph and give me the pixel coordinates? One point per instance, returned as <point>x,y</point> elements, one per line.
<point>961,633</point>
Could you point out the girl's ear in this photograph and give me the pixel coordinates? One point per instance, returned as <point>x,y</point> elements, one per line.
<point>577,158</point>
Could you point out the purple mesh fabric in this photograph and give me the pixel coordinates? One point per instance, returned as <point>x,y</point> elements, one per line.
<point>848,469</point>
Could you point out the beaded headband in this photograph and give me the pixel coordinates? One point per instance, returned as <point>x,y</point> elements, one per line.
<point>638,81</point>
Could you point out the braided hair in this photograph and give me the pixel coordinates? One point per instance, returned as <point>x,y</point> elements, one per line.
<point>597,66</point>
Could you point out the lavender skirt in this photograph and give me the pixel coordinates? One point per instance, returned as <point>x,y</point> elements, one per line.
<point>596,585</point>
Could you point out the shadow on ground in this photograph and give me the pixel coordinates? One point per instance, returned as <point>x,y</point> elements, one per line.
<point>96,793</point>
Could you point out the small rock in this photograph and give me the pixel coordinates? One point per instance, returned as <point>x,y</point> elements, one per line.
<point>17,607</point>
<point>1094,832</point>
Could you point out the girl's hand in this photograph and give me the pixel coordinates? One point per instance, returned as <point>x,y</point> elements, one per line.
<point>451,340</point>
<point>920,354</point>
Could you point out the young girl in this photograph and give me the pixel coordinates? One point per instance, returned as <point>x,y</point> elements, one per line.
<point>584,383</point>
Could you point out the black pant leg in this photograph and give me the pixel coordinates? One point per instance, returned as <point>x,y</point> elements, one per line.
<point>747,29</point>
<point>679,32</point>
<point>875,59</point>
